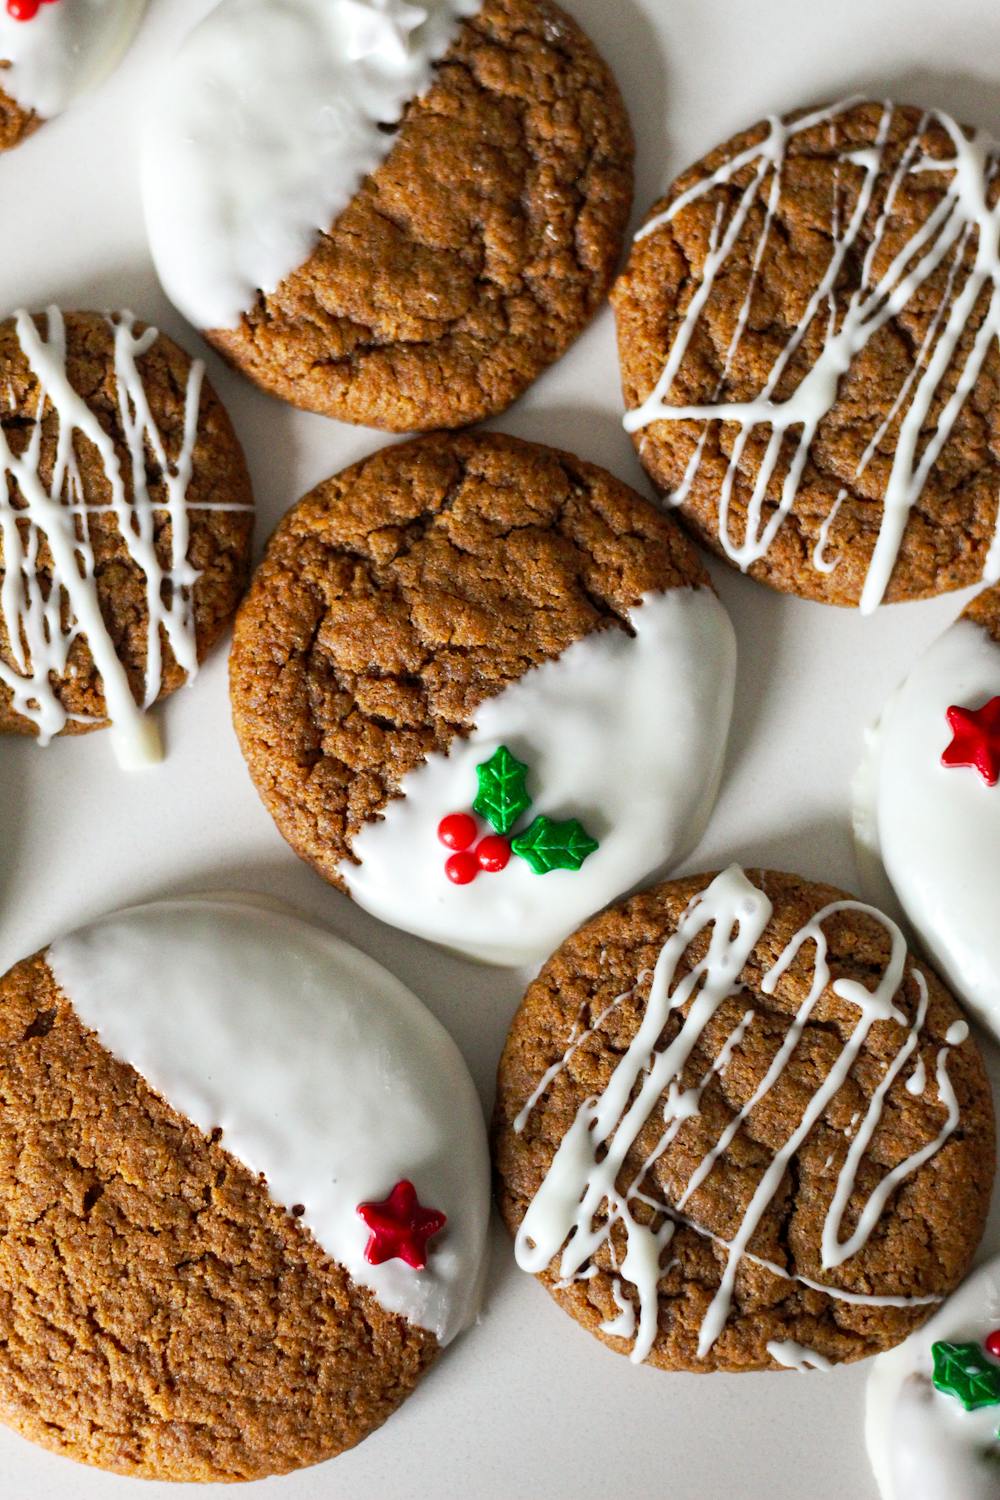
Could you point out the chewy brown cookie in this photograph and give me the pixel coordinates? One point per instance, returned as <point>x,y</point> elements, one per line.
<point>16,124</point>
<point>131,514</point>
<point>453,601</point>
<point>475,254</point>
<point>809,300</point>
<point>164,1311</point>
<point>745,1061</point>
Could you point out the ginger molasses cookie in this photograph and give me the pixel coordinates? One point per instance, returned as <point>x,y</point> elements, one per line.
<point>126,520</point>
<point>53,50</point>
<point>936,748</point>
<point>483,687</point>
<point>933,1417</point>
<point>244,1193</point>
<point>737,1127</point>
<point>390,213</point>
<point>808,331</point>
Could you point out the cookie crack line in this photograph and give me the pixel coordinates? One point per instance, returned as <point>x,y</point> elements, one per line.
<point>573,1213</point>
<point>957,240</point>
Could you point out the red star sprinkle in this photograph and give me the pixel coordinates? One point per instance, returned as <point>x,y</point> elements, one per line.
<point>976,740</point>
<point>400,1227</point>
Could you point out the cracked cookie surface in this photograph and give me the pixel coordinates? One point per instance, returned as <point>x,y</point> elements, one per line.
<point>399,595</point>
<point>218,505</point>
<point>767,316</point>
<point>159,1315</point>
<point>478,250</point>
<point>920,1247</point>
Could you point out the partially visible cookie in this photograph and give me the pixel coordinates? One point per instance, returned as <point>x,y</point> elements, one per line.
<point>934,1403</point>
<point>927,803</point>
<point>483,687</point>
<point>244,1193</point>
<point>808,334</point>
<point>419,210</point>
<point>738,1127</point>
<point>53,50</point>
<point>126,520</point>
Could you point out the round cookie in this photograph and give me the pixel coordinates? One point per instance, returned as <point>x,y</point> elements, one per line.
<point>421,208</point>
<point>928,1439</point>
<point>936,749</point>
<point>483,687</point>
<point>126,520</point>
<point>738,1128</point>
<point>808,334</point>
<point>54,50</point>
<point>245,1193</point>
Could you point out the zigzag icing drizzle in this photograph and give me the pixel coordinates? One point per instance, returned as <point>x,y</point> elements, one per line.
<point>582,1179</point>
<point>43,623</point>
<point>962,220</point>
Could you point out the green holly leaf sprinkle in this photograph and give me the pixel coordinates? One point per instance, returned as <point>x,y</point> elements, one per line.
<point>963,1371</point>
<point>554,846</point>
<point>503,794</point>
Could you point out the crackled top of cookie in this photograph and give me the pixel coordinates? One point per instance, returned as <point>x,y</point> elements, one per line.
<point>744,1084</point>
<point>808,333</point>
<point>398,596</point>
<point>202,1333</point>
<point>469,259</point>
<point>127,517</point>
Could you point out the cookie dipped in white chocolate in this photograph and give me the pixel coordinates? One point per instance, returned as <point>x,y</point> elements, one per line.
<point>624,732</point>
<point>922,1443</point>
<point>264,127</point>
<point>323,1073</point>
<point>63,50</point>
<point>935,828</point>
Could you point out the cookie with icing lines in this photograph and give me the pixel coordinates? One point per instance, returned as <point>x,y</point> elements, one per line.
<point>51,51</point>
<point>417,209</point>
<point>126,520</point>
<point>244,1193</point>
<point>936,747</point>
<point>808,335</point>
<point>483,687</point>
<point>738,1127</point>
<point>933,1409</point>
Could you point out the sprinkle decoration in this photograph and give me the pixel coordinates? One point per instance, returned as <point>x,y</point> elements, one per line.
<point>503,793</point>
<point>963,1371</point>
<point>501,800</point>
<point>554,846</point>
<point>400,1227</point>
<point>26,10</point>
<point>976,740</point>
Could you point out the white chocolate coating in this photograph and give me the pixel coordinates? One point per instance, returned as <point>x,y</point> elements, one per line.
<point>963,218</point>
<point>582,1179</point>
<point>323,1072</point>
<point>55,512</point>
<point>264,127</point>
<point>64,50</point>
<point>937,828</point>
<point>924,1445</point>
<point>628,734</point>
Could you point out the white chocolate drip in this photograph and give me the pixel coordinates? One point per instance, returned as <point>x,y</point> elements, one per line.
<point>796,1356</point>
<point>64,50</point>
<point>943,239</point>
<point>42,622</point>
<point>582,1181</point>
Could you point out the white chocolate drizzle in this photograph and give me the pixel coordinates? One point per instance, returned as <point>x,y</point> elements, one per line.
<point>796,1356</point>
<point>944,239</point>
<point>42,622</point>
<point>579,1202</point>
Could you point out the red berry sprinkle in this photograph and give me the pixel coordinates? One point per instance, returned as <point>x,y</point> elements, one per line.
<point>993,1343</point>
<point>26,10</point>
<point>493,853</point>
<point>458,831</point>
<point>462,868</point>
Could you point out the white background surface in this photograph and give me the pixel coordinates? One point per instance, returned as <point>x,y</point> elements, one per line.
<point>526,1405</point>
